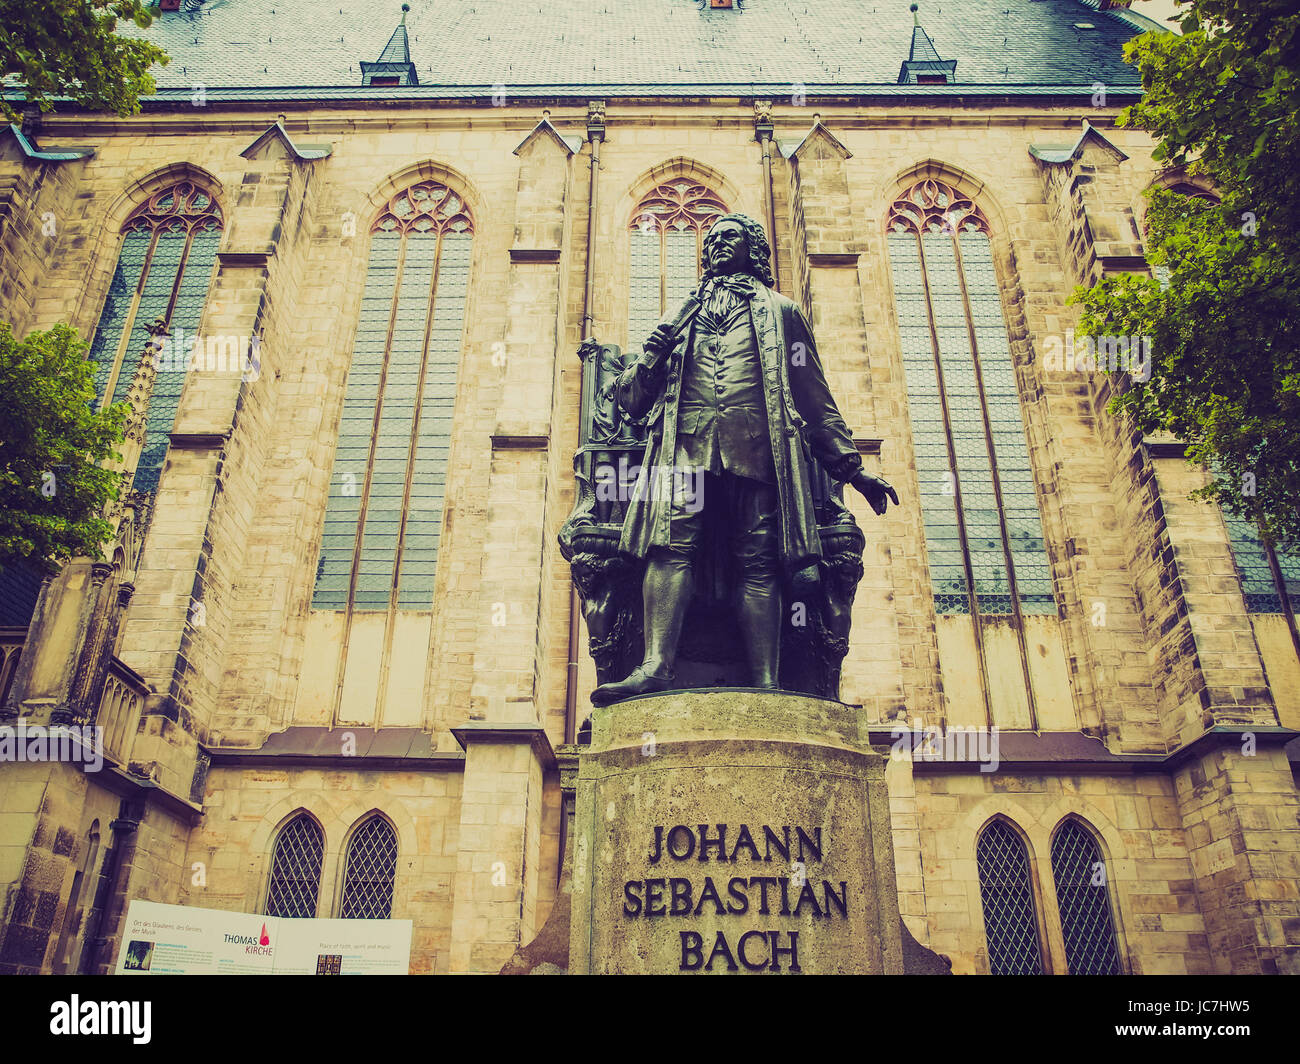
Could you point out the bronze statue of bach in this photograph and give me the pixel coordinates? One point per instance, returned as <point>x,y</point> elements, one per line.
<point>738,410</point>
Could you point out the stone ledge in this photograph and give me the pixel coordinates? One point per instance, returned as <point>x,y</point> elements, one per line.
<point>534,254</point>
<point>238,259</point>
<point>504,442</point>
<point>833,259</point>
<point>518,733</point>
<point>401,749</point>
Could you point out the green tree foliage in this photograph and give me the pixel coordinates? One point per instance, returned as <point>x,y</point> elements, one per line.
<point>52,489</point>
<point>1223,102</point>
<point>68,48</point>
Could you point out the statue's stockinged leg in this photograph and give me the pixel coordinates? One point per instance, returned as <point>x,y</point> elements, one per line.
<point>758,580</point>
<point>759,613</point>
<point>666,593</point>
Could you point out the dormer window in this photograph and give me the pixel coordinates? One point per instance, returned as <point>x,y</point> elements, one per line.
<point>924,65</point>
<point>394,66</point>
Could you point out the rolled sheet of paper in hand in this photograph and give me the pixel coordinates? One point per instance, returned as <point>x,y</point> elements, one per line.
<point>678,325</point>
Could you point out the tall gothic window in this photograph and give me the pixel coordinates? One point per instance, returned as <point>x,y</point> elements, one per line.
<point>1010,920</point>
<point>295,869</point>
<point>984,536</point>
<point>667,235</point>
<point>169,247</point>
<point>383,519</point>
<point>370,870</point>
<point>1084,900</point>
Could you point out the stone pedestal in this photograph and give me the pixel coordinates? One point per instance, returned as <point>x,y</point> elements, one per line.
<point>732,831</point>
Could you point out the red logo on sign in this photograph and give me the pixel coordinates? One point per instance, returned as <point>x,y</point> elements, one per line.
<point>266,939</point>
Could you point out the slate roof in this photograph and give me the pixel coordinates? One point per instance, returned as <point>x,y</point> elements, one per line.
<point>922,47</point>
<point>284,47</point>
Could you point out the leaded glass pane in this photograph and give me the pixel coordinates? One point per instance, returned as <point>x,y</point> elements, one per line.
<point>295,871</point>
<point>371,868</point>
<point>966,414</point>
<point>187,313</point>
<point>682,266</point>
<point>1084,901</point>
<point>665,258</point>
<point>1290,566</point>
<point>387,487</point>
<point>1010,922</point>
<point>155,297</point>
<point>644,299</point>
<point>423,519</point>
<point>1257,583</point>
<point>164,223</point>
<point>929,439</point>
<point>976,450</point>
<point>1010,446</point>
<point>117,307</point>
<point>356,425</point>
<point>393,447</point>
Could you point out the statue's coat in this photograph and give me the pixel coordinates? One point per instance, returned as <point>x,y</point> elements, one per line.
<point>802,421</point>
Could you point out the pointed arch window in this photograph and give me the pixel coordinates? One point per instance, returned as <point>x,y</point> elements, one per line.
<point>164,270</point>
<point>1006,890</point>
<point>295,869</point>
<point>984,536</point>
<point>369,872</point>
<point>667,236</point>
<point>383,519</point>
<point>1084,900</point>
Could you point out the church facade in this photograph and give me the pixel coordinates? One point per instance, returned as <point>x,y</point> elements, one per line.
<point>335,653</point>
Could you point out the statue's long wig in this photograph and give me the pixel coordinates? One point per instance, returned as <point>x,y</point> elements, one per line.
<point>760,255</point>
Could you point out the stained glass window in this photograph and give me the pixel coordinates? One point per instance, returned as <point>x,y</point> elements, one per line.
<point>984,536</point>
<point>295,869</point>
<point>371,868</point>
<point>384,515</point>
<point>667,234</point>
<point>1010,920</point>
<point>1259,565</point>
<point>169,247</point>
<point>1084,900</point>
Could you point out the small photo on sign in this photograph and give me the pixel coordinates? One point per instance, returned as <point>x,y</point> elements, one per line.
<point>329,964</point>
<point>138,956</point>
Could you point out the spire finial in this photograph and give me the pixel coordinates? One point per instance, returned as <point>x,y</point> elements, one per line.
<point>916,18</point>
<point>405,9</point>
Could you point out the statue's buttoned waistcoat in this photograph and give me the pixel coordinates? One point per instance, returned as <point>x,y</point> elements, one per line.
<point>722,420</point>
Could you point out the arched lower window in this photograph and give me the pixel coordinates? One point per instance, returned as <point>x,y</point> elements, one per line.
<point>169,248</point>
<point>295,869</point>
<point>1010,919</point>
<point>983,532</point>
<point>667,237</point>
<point>1084,900</point>
<point>369,872</point>
<point>383,519</point>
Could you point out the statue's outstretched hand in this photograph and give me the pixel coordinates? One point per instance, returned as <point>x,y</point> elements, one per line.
<point>875,490</point>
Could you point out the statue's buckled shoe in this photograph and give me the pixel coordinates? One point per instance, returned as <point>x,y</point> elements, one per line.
<point>638,682</point>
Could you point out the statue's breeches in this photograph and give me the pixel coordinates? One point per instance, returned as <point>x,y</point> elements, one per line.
<point>751,512</point>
